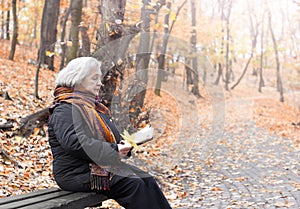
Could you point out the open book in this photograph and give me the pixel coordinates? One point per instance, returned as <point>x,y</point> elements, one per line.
<point>140,137</point>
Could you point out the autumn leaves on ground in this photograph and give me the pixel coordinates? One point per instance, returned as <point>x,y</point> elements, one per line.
<point>32,154</point>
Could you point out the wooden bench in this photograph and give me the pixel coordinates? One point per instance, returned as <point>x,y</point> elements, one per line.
<point>52,198</point>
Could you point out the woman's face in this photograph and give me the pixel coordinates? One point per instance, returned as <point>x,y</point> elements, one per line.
<point>91,83</point>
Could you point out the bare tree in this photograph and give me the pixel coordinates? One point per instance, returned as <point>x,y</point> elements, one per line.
<point>227,17</point>
<point>278,76</point>
<point>143,54</point>
<point>85,49</point>
<point>2,22</point>
<point>48,32</point>
<point>15,31</point>
<point>221,4</point>
<point>254,27</point>
<point>157,9</point>
<point>161,58</point>
<point>62,37</point>
<point>195,88</point>
<point>48,38</point>
<point>35,24</point>
<point>261,79</point>
<point>254,34</point>
<point>7,25</point>
<point>76,12</point>
<point>113,39</point>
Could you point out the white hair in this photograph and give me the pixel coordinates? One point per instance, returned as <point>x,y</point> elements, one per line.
<point>76,70</point>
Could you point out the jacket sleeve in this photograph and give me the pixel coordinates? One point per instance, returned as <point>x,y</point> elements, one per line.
<point>74,137</point>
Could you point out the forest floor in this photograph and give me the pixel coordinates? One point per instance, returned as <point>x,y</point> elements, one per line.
<point>236,149</point>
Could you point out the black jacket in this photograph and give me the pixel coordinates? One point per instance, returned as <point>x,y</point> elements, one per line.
<point>73,147</point>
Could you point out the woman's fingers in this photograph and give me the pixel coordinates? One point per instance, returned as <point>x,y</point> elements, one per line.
<point>124,147</point>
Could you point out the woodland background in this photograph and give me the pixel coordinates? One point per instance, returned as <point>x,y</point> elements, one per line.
<point>244,47</point>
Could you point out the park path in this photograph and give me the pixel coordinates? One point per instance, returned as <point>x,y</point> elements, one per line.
<point>220,159</point>
<point>232,163</point>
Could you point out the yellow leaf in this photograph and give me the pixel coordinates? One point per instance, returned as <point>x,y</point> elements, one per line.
<point>173,16</point>
<point>49,53</point>
<point>129,138</point>
<point>156,26</point>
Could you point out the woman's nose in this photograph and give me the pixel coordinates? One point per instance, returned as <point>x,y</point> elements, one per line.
<point>99,83</point>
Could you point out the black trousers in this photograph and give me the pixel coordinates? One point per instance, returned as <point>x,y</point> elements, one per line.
<point>132,188</point>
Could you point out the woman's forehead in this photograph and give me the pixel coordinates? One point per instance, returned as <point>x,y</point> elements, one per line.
<point>96,70</point>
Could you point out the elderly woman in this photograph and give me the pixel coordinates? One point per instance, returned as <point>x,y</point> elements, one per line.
<point>87,147</point>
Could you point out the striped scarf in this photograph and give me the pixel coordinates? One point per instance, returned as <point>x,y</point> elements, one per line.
<point>89,107</point>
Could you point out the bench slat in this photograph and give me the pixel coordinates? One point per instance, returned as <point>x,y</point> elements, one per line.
<point>74,201</point>
<point>27,195</point>
<point>40,198</point>
<point>53,198</point>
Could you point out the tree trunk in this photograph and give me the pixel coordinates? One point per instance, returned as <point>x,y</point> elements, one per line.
<point>35,24</point>
<point>76,12</point>
<point>143,54</point>
<point>161,58</point>
<point>227,74</point>
<point>279,82</point>
<point>220,65</point>
<point>244,72</point>
<point>85,50</point>
<point>111,47</point>
<point>48,33</point>
<point>36,82</point>
<point>220,74</point>
<point>254,34</point>
<point>15,31</point>
<point>158,7</point>
<point>188,71</point>
<point>261,79</point>
<point>7,25</point>
<point>113,40</point>
<point>175,17</point>
<point>62,38</point>
<point>195,88</point>
<point>2,22</point>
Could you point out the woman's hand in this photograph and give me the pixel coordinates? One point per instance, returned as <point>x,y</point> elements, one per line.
<point>124,147</point>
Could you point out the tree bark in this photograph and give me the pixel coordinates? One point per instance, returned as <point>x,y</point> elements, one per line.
<point>7,25</point>
<point>189,72</point>
<point>62,38</point>
<point>244,72</point>
<point>35,24</point>
<point>195,88</point>
<point>143,54</point>
<point>278,76</point>
<point>36,82</point>
<point>161,58</point>
<point>220,74</point>
<point>261,79</point>
<point>254,34</point>
<point>35,120</point>
<point>15,30</point>
<point>111,46</point>
<point>76,12</point>
<point>158,7</point>
<point>85,50</point>
<point>220,66</point>
<point>48,32</point>
<point>2,22</point>
<point>227,74</point>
